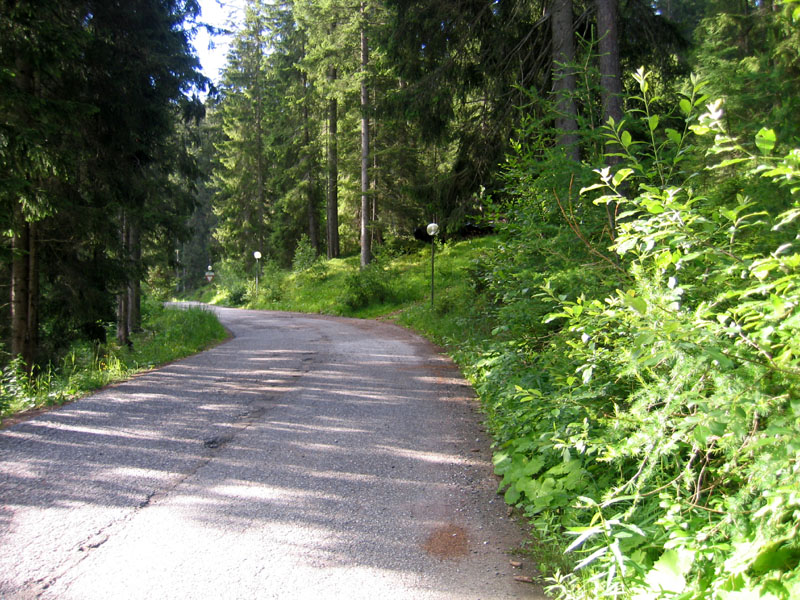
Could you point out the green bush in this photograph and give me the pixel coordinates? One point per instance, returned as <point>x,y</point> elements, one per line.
<point>232,280</point>
<point>307,265</point>
<point>13,385</point>
<point>653,432</point>
<point>369,285</point>
<point>167,334</point>
<point>305,256</point>
<point>271,286</point>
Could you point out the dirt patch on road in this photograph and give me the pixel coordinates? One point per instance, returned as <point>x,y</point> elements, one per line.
<point>449,541</point>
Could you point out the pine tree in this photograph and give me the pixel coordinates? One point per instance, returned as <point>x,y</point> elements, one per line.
<point>240,180</point>
<point>95,87</point>
<point>564,82</point>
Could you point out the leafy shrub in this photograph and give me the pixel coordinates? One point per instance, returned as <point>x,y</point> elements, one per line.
<point>168,334</point>
<point>398,245</point>
<point>654,433</point>
<point>306,263</point>
<point>13,380</point>
<point>271,283</point>
<point>370,284</point>
<point>233,280</point>
<point>305,256</point>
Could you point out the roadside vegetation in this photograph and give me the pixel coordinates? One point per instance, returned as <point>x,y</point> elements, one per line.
<point>641,389</point>
<point>167,334</point>
<point>631,325</point>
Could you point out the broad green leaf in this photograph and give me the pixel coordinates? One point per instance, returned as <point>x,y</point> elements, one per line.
<point>636,303</point>
<point>717,428</point>
<point>626,139</point>
<point>534,466</point>
<point>588,501</point>
<point>652,122</point>
<point>699,129</point>
<point>686,106</point>
<point>717,355</point>
<point>701,434</point>
<point>668,574</point>
<point>621,176</point>
<point>654,207</point>
<point>512,495</point>
<point>624,245</point>
<point>589,188</point>
<point>673,136</point>
<point>729,162</point>
<point>765,140</point>
<point>776,557</point>
<point>664,260</point>
<point>795,403</point>
<point>499,457</point>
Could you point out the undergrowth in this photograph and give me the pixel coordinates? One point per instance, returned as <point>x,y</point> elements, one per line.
<point>643,390</point>
<point>167,334</point>
<point>652,431</point>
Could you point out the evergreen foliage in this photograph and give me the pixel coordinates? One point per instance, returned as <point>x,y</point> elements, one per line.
<point>632,331</point>
<point>167,334</point>
<point>652,432</point>
<point>97,175</point>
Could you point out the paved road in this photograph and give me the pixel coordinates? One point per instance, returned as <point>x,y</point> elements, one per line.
<point>308,457</point>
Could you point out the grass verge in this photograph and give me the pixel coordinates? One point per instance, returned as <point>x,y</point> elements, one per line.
<point>167,334</point>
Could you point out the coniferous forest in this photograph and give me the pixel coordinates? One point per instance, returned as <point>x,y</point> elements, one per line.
<point>631,321</point>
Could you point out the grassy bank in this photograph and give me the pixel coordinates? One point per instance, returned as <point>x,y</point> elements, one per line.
<point>653,453</point>
<point>167,334</point>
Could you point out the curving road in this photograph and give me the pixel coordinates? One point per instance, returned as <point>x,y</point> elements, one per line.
<point>307,457</point>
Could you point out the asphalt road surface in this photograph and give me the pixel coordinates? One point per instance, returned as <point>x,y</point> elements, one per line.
<point>307,457</point>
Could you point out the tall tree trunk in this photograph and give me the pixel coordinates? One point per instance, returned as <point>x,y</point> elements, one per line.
<point>134,281</point>
<point>123,297</point>
<point>20,280</point>
<point>376,230</point>
<point>563,75</point>
<point>24,263</point>
<point>332,220</point>
<point>313,224</point>
<point>32,345</point>
<point>366,249</point>
<point>313,227</point>
<point>123,333</point>
<point>260,171</point>
<point>610,79</point>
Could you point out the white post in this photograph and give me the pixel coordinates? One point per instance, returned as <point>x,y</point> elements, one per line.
<point>433,229</point>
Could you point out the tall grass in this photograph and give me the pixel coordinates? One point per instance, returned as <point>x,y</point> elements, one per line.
<point>167,334</point>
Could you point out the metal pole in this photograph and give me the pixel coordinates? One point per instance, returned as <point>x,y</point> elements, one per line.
<point>432,230</point>
<point>257,255</point>
<point>433,250</point>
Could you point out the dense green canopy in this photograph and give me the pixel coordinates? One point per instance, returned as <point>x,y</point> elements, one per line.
<point>637,160</point>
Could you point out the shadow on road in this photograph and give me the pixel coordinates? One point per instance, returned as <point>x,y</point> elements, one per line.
<point>301,449</point>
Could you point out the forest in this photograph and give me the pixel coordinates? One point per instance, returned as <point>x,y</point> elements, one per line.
<point>629,319</point>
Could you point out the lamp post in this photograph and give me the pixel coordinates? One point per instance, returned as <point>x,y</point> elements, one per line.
<point>433,229</point>
<point>257,256</point>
